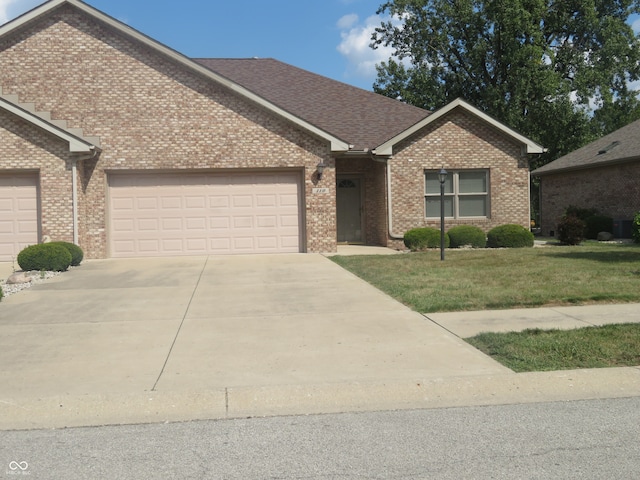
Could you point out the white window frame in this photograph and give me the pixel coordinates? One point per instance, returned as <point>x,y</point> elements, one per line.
<point>455,194</point>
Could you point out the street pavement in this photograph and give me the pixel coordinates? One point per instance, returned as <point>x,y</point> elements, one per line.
<point>589,439</point>
<point>185,338</point>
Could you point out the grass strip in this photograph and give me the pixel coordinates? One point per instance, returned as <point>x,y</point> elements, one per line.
<point>544,350</point>
<point>486,279</point>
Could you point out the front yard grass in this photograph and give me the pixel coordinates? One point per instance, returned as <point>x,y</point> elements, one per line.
<point>505,278</point>
<point>543,350</point>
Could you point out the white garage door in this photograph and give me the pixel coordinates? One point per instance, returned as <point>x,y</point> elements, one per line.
<point>18,214</point>
<point>195,214</point>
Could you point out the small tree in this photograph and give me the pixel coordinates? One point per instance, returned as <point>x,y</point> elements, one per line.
<point>571,230</point>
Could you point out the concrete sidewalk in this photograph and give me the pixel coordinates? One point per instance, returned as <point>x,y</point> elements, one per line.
<point>468,324</point>
<point>152,340</point>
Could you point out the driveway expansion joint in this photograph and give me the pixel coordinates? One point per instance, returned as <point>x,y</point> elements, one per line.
<point>175,338</point>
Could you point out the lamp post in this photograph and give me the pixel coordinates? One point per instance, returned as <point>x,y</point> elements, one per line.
<point>442,176</point>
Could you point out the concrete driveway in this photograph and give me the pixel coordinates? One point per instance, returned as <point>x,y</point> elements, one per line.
<point>200,323</point>
<point>117,341</point>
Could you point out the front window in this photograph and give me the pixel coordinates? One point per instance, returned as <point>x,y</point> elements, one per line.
<point>466,194</point>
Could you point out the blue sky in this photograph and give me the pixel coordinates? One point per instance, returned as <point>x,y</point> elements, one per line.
<point>329,37</point>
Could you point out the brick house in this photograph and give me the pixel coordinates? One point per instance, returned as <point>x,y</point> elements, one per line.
<point>602,175</point>
<point>124,146</point>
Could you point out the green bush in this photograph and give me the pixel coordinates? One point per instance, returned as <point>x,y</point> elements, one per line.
<point>571,230</point>
<point>464,235</point>
<point>509,236</point>
<point>635,228</point>
<point>76,252</point>
<point>1,294</point>
<point>44,256</point>
<point>596,224</point>
<point>581,213</point>
<point>422,238</point>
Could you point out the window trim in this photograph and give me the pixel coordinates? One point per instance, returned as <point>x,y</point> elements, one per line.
<point>455,176</point>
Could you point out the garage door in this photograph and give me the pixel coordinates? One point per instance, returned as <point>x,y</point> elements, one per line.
<point>18,214</point>
<point>195,214</point>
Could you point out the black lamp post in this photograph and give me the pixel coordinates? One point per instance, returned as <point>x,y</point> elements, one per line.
<point>442,176</point>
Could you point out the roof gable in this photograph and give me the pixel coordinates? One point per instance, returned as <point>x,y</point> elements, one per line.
<point>530,147</point>
<point>337,144</point>
<point>620,146</point>
<point>77,143</point>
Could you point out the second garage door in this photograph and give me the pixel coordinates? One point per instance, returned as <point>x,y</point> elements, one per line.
<point>18,214</point>
<point>195,214</point>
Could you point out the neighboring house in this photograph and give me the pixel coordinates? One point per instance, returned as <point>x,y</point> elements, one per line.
<point>603,175</point>
<point>116,142</point>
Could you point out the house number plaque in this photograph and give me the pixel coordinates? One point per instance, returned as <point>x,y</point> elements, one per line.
<point>320,190</point>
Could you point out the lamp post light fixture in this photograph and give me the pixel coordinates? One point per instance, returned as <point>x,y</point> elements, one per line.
<point>442,177</point>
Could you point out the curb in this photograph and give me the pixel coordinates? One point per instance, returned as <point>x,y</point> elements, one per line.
<point>241,402</point>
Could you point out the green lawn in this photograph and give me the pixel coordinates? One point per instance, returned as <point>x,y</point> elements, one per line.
<point>505,278</point>
<point>543,350</point>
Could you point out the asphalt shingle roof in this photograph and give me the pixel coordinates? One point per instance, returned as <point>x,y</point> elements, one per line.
<point>359,117</point>
<point>620,146</point>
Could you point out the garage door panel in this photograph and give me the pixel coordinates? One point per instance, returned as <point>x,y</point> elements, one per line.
<point>204,213</point>
<point>146,203</point>
<point>18,213</point>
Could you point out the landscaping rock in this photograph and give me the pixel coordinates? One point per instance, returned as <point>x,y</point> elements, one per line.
<point>605,237</point>
<point>18,278</point>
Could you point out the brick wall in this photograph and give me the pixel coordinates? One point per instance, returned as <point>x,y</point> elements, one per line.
<point>24,147</point>
<point>459,141</point>
<point>151,114</point>
<point>613,190</point>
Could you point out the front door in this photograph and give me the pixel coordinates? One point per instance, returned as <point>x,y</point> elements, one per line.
<point>349,206</point>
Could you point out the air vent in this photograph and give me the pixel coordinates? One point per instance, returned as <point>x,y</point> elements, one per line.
<point>611,146</point>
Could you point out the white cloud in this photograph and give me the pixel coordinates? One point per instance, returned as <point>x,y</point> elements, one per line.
<point>348,21</point>
<point>4,7</point>
<point>354,46</point>
<point>9,9</point>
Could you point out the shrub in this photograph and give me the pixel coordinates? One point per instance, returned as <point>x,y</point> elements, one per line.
<point>571,230</point>
<point>1,294</point>
<point>422,238</point>
<point>581,213</point>
<point>76,252</point>
<point>596,224</point>
<point>463,235</point>
<point>44,256</point>
<point>509,236</point>
<point>635,228</point>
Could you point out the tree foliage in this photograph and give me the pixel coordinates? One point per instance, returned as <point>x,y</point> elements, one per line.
<point>555,70</point>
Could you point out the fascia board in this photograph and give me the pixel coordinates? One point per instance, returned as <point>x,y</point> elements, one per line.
<point>386,149</point>
<point>337,145</point>
<point>76,144</point>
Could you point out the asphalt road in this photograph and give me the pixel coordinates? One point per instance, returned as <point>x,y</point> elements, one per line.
<point>593,439</point>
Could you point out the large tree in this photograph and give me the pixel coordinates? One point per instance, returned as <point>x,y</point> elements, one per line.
<point>556,70</point>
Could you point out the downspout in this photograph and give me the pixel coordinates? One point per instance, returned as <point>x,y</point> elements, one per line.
<point>74,191</point>
<point>393,235</point>
<point>74,196</point>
